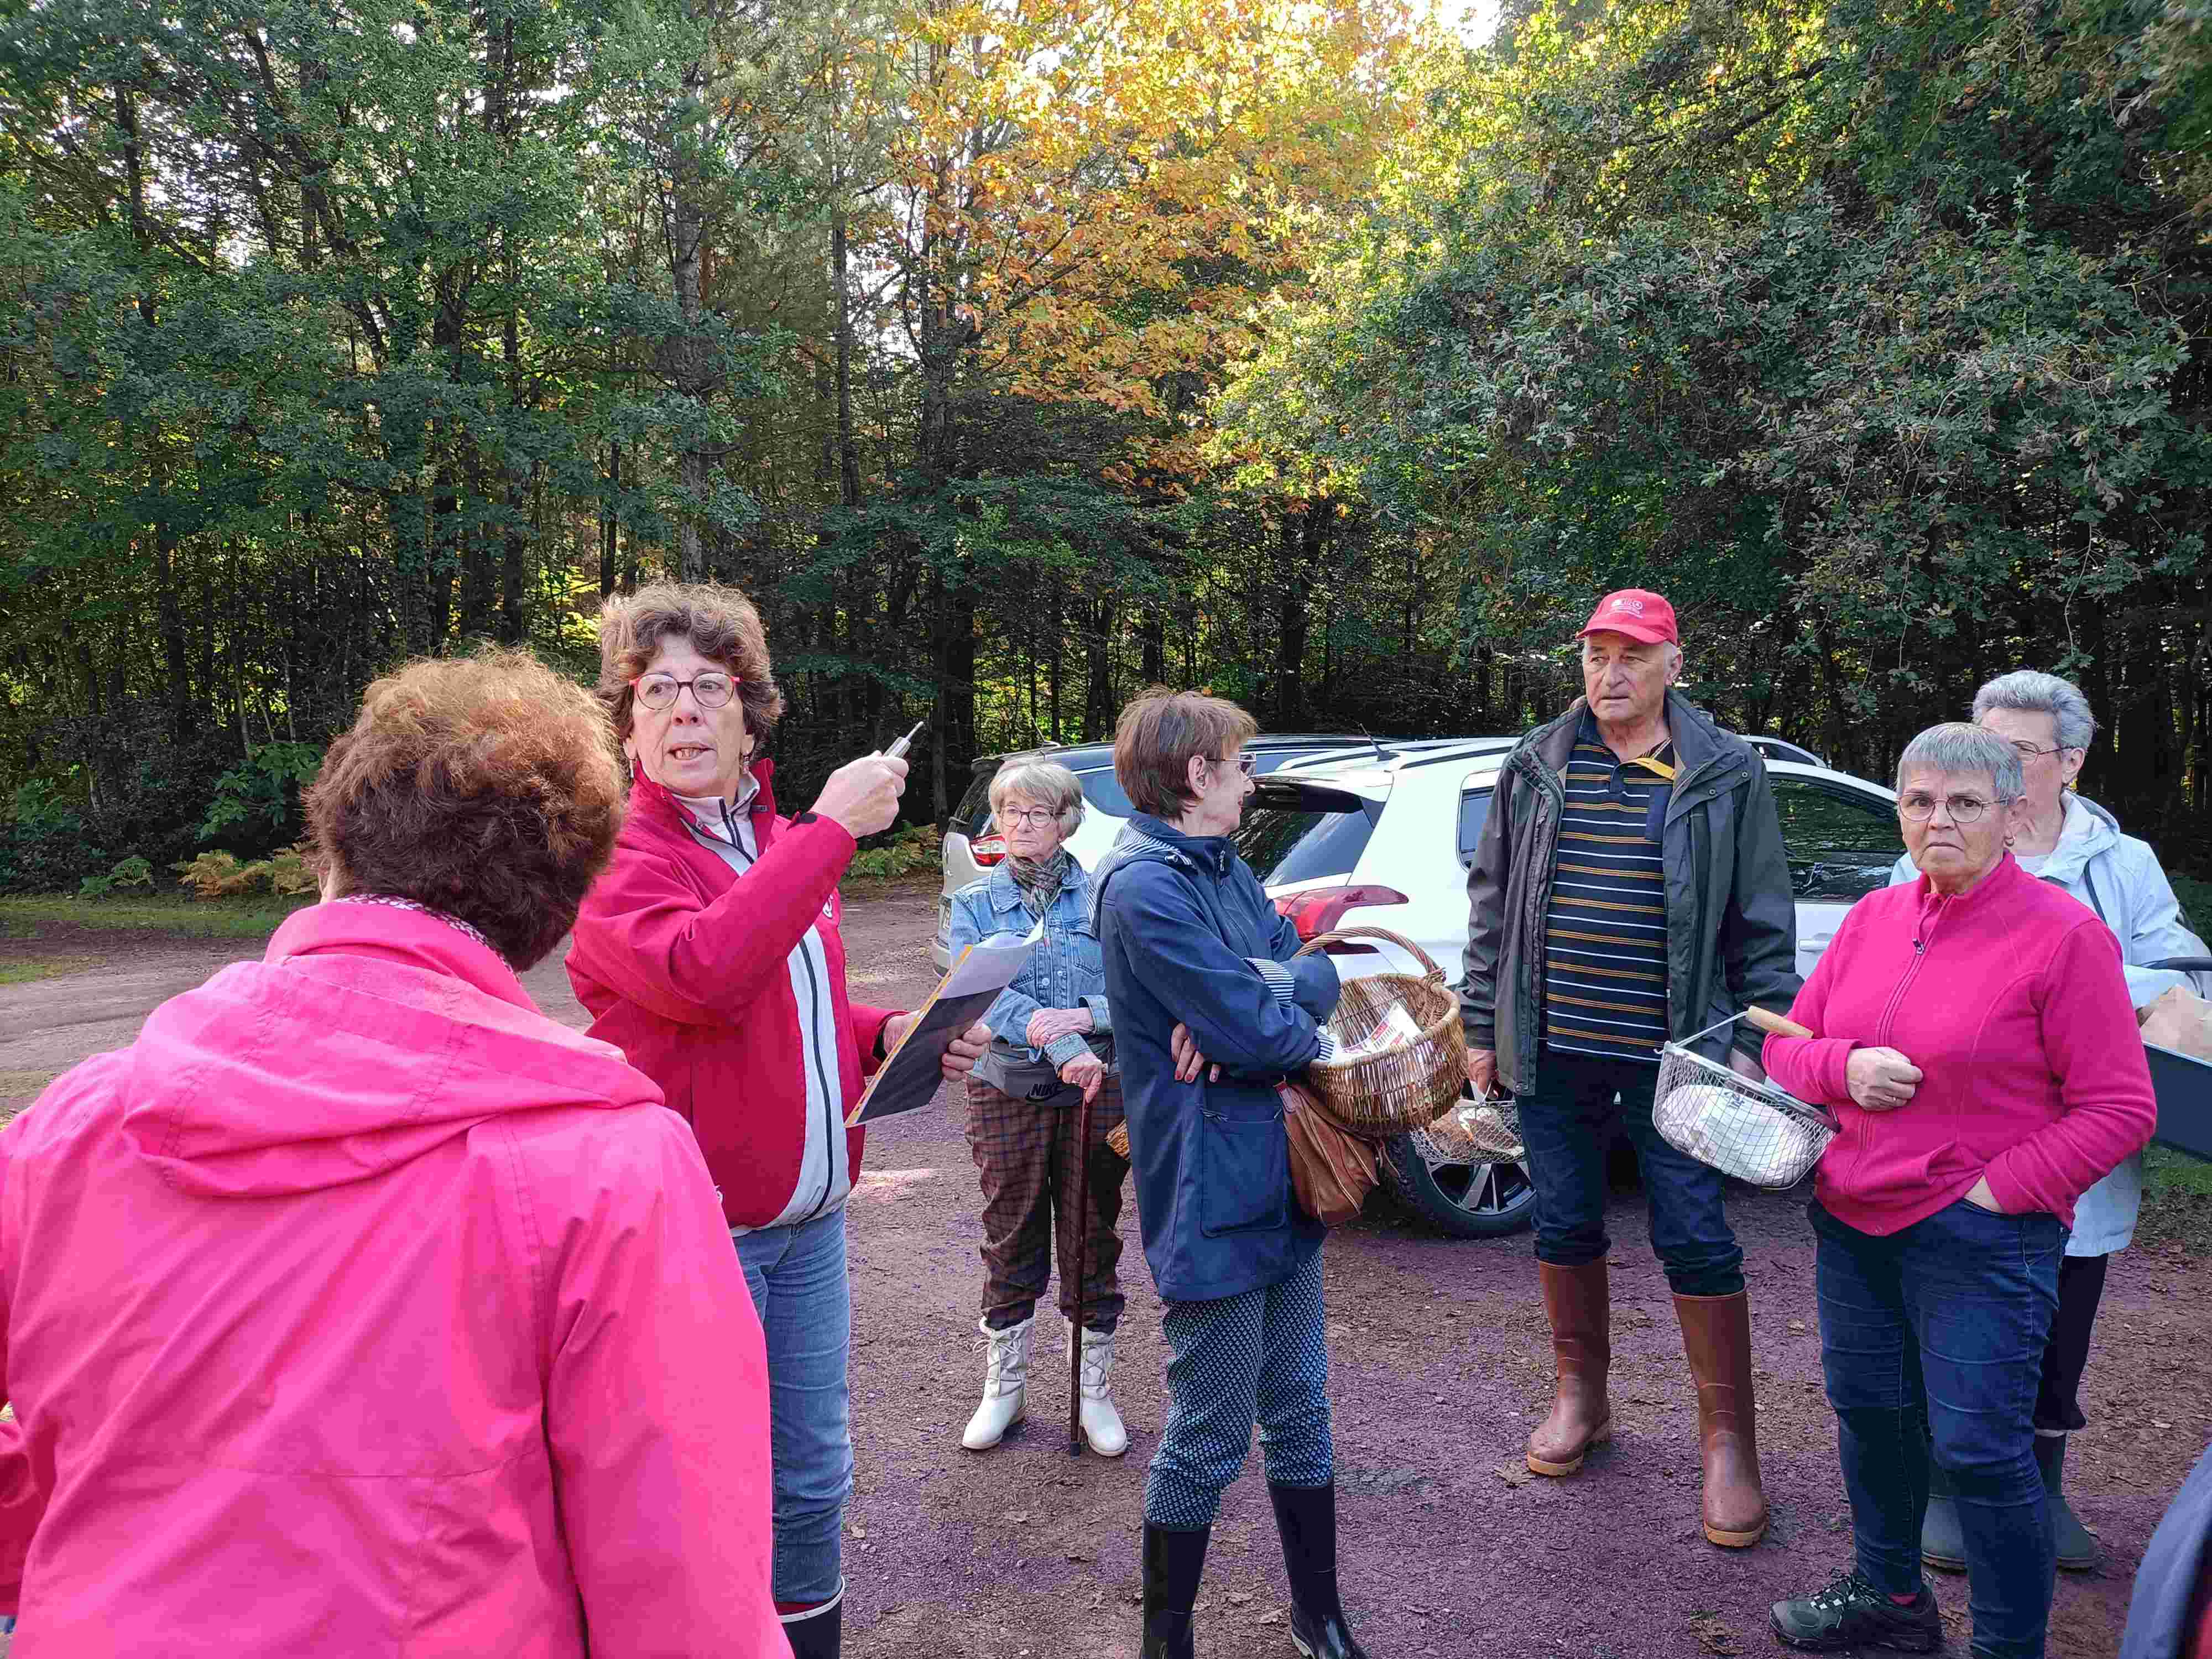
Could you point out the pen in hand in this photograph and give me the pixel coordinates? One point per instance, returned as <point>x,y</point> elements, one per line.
<point>897,750</point>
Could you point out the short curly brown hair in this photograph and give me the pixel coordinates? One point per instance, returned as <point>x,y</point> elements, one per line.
<point>721,622</point>
<point>1159,734</point>
<point>485,786</point>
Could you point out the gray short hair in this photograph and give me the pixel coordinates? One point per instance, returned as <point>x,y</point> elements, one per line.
<point>1955,747</point>
<point>2033,692</point>
<point>1045,781</point>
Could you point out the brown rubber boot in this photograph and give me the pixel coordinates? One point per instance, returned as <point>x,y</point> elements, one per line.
<point>1716,1335</point>
<point>1577,1302</point>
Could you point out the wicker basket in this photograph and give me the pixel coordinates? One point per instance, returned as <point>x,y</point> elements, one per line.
<point>1752,1131</point>
<point>1407,1088</point>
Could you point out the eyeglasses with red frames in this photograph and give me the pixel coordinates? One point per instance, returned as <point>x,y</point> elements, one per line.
<point>709,690</point>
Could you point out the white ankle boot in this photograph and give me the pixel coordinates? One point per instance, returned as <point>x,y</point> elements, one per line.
<point>1102,1424</point>
<point>1005,1379</point>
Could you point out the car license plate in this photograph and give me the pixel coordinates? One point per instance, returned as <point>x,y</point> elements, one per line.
<point>944,919</point>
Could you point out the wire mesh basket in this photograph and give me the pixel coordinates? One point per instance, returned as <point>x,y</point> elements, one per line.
<point>1751,1130</point>
<point>1487,1131</point>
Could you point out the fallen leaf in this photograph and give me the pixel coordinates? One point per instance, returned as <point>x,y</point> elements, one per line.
<point>1515,1474</point>
<point>1712,1635</point>
<point>1238,1598</point>
<point>1797,1327</point>
<point>1272,1616</point>
<point>1018,1515</point>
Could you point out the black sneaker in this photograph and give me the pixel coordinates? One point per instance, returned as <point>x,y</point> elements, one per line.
<point>1852,1613</point>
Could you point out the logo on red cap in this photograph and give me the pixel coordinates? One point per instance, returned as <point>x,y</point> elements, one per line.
<point>1636,612</point>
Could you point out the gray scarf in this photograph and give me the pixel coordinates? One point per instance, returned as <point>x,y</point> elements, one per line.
<point>1040,881</point>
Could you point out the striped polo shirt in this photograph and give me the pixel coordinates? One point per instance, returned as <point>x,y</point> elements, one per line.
<point>1605,933</point>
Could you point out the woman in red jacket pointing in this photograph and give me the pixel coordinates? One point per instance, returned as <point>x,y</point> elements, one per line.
<point>1976,1039</point>
<point>710,954</point>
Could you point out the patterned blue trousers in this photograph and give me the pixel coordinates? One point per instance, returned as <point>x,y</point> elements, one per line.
<point>1261,1355</point>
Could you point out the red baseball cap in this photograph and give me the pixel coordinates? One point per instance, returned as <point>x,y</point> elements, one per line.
<point>1636,612</point>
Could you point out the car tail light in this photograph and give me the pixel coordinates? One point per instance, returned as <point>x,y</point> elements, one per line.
<point>987,850</point>
<point>1318,909</point>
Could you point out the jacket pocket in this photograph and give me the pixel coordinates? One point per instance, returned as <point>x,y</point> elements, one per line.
<point>1243,1172</point>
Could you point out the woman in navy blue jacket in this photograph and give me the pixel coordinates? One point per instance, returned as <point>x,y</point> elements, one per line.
<point>1210,1012</point>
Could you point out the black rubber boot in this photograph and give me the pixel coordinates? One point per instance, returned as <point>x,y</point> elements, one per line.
<point>1942,1541</point>
<point>818,1633</point>
<point>1174,1560</point>
<point>2070,1541</point>
<point>1306,1518</point>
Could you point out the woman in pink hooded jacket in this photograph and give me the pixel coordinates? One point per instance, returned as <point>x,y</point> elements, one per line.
<point>357,1308</point>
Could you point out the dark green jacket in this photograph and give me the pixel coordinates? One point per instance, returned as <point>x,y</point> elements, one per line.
<point>1731,917</point>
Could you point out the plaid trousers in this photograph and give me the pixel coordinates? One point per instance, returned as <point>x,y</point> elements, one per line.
<point>1026,1151</point>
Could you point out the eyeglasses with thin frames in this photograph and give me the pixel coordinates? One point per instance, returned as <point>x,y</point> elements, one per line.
<point>2029,752</point>
<point>708,690</point>
<point>1248,764</point>
<point>1963,809</point>
<point>1029,816</point>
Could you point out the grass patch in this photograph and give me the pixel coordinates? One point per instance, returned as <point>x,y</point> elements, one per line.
<point>23,973</point>
<point>251,916</point>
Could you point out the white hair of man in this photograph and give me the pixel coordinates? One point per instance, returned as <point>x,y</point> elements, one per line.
<point>1955,749</point>
<point>1046,783</point>
<point>2033,692</point>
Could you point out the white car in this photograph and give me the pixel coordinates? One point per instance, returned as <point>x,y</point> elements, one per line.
<point>1384,838</point>
<point>973,845</point>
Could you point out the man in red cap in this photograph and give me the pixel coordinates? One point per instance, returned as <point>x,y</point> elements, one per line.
<point>1629,890</point>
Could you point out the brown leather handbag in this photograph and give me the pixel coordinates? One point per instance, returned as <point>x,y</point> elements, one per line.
<point>1332,1169</point>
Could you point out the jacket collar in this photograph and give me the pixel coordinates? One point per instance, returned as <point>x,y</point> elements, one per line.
<point>1698,742</point>
<point>414,937</point>
<point>1991,889</point>
<point>651,803</point>
<point>2088,833</point>
<point>1214,854</point>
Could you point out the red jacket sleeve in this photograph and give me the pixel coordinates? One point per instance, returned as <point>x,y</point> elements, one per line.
<point>643,934</point>
<point>656,1404</point>
<point>2108,1110</point>
<point>1813,1069</point>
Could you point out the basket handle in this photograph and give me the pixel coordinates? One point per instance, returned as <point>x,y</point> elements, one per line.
<point>1775,1024</point>
<point>1321,941</point>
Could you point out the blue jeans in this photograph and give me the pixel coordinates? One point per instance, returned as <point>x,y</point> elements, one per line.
<point>1937,1330</point>
<point>1262,1354</point>
<point>797,1276</point>
<point>1565,1124</point>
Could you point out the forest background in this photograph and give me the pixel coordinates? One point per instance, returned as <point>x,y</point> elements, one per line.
<point>1017,354</point>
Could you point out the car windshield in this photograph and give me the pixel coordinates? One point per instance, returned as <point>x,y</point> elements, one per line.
<point>1301,838</point>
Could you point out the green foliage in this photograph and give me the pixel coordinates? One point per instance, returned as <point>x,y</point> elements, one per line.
<point>291,871</point>
<point>220,875</point>
<point>911,851</point>
<point>260,800</point>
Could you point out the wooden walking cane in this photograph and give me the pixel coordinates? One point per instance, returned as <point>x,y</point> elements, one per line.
<point>1082,1276</point>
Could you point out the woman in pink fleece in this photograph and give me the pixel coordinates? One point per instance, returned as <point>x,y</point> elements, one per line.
<point>357,1308</point>
<point>1977,1042</point>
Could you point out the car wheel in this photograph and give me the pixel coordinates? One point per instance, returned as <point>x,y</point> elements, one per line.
<point>1467,1201</point>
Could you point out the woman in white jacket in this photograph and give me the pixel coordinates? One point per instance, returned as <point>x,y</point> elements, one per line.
<point>2078,845</point>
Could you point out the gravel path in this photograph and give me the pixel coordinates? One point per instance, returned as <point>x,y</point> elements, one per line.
<point>1441,1365</point>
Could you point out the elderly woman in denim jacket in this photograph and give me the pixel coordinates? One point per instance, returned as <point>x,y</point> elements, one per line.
<point>2075,844</point>
<point>1049,1051</point>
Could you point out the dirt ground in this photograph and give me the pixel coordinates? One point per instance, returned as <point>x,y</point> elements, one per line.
<point>1441,1365</point>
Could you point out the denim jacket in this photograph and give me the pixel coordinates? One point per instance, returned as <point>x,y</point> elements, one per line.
<point>1066,971</point>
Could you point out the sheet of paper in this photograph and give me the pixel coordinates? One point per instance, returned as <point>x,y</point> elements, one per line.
<point>909,1077</point>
